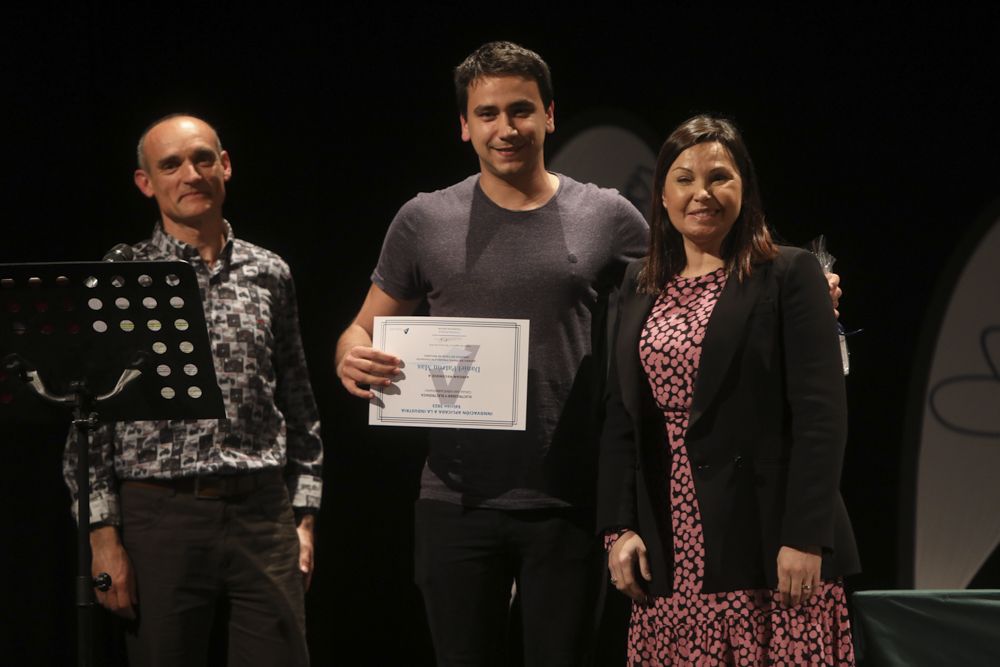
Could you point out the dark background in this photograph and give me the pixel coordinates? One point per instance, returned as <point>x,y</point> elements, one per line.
<point>874,126</point>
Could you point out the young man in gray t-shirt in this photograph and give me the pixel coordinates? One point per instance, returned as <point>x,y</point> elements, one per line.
<point>514,241</point>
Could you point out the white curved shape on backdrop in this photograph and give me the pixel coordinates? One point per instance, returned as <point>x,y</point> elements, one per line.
<point>958,474</point>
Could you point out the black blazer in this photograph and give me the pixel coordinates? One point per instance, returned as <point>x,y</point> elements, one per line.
<point>766,434</point>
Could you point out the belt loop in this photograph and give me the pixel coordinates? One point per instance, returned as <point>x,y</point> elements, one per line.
<point>197,491</point>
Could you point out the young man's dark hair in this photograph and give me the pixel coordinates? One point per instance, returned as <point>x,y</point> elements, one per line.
<point>501,59</point>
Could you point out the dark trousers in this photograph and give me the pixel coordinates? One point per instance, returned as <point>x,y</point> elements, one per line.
<point>191,556</point>
<point>467,559</point>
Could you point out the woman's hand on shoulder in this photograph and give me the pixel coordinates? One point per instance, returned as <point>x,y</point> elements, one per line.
<point>833,282</point>
<point>628,560</point>
<point>798,574</point>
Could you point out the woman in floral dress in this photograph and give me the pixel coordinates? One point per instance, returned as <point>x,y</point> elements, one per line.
<point>725,429</point>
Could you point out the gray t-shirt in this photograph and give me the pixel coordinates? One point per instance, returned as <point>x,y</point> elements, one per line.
<point>554,266</point>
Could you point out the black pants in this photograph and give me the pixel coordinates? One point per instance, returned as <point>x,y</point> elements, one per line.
<point>466,562</point>
<point>190,554</point>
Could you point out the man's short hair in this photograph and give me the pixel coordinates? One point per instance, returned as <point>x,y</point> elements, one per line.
<point>141,159</point>
<point>501,59</point>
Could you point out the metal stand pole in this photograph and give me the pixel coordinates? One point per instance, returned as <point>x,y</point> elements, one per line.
<point>83,421</point>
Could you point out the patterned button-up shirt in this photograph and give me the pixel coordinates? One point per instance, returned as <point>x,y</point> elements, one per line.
<point>271,416</point>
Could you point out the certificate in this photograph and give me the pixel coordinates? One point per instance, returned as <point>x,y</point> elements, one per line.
<point>457,372</point>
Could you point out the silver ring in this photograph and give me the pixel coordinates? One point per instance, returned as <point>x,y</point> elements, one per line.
<point>613,580</point>
<point>806,587</point>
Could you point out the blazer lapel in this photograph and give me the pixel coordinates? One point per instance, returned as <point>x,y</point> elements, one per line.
<point>723,335</point>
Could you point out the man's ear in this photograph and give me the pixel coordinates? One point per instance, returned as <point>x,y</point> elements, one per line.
<point>142,182</point>
<point>465,127</point>
<point>227,165</point>
<point>550,118</point>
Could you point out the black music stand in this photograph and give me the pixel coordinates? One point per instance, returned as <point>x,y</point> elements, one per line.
<point>113,341</point>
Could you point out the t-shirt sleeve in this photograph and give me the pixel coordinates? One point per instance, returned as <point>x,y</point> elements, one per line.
<point>398,270</point>
<point>628,239</point>
<point>632,232</point>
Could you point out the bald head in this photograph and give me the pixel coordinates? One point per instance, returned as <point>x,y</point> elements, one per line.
<point>140,150</point>
<point>183,167</point>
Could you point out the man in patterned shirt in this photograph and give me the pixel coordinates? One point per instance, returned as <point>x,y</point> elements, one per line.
<point>192,516</point>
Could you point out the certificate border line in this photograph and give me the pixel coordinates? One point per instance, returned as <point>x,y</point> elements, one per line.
<point>430,321</point>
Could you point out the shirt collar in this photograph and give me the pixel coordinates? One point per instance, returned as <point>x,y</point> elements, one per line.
<point>174,247</point>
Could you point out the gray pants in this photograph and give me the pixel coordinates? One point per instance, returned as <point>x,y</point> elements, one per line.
<point>190,554</point>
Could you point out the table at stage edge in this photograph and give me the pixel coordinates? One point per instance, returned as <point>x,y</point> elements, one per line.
<point>928,627</point>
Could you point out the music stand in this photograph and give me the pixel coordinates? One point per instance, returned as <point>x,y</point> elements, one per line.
<point>113,341</point>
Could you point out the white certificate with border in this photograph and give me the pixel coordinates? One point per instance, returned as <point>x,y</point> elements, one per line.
<point>457,372</point>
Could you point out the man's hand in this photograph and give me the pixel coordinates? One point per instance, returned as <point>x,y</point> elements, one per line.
<point>833,280</point>
<point>628,552</point>
<point>306,531</point>
<point>109,556</point>
<point>357,361</point>
<point>366,365</point>
<point>798,574</point>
